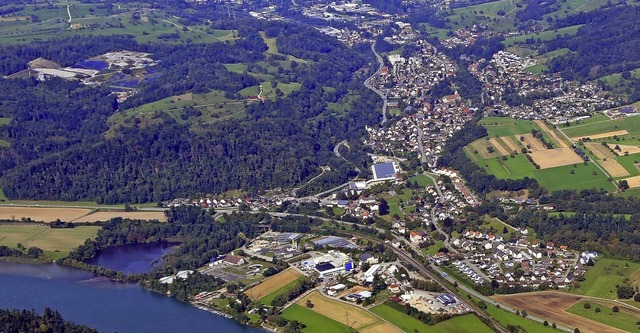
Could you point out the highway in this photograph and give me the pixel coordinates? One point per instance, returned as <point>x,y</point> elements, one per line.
<point>367,83</point>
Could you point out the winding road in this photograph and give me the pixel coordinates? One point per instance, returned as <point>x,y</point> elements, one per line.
<point>367,84</point>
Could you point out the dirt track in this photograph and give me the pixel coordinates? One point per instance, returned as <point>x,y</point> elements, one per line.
<point>551,306</point>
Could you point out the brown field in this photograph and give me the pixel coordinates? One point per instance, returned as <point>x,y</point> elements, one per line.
<point>14,18</point>
<point>42,214</point>
<point>499,147</point>
<point>599,150</point>
<point>552,158</point>
<point>558,139</point>
<point>481,147</point>
<point>510,144</point>
<point>627,148</point>
<point>272,284</point>
<point>633,181</point>
<point>358,318</point>
<point>549,305</point>
<point>601,135</point>
<point>533,143</point>
<point>542,125</point>
<point>614,168</point>
<point>105,216</point>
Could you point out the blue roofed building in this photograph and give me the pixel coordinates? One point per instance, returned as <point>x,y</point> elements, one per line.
<point>446,299</point>
<point>384,171</point>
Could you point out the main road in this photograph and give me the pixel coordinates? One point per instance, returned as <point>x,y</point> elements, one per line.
<point>367,83</point>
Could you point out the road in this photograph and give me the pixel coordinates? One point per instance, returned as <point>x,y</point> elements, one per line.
<point>69,13</point>
<point>367,83</point>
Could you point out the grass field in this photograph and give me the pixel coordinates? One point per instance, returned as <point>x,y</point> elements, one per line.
<point>315,322</point>
<point>462,324</point>
<point>543,36</point>
<point>105,216</point>
<point>274,285</point>
<point>59,241</point>
<point>516,167</point>
<point>624,320</point>
<point>422,180</point>
<point>502,126</point>
<point>602,278</point>
<point>560,178</point>
<point>629,124</point>
<point>507,318</point>
<point>396,201</point>
<point>347,314</point>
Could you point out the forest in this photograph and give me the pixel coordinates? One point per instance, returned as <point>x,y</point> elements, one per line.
<point>30,321</point>
<point>58,149</point>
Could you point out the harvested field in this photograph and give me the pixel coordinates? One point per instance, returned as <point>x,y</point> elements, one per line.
<point>558,139</point>
<point>499,147</point>
<point>552,158</point>
<point>106,216</point>
<point>542,125</point>
<point>42,214</point>
<point>627,148</point>
<point>601,135</point>
<point>14,18</point>
<point>614,168</point>
<point>272,284</point>
<point>633,181</point>
<point>599,150</point>
<point>510,144</point>
<point>352,316</point>
<point>551,306</point>
<point>534,143</point>
<point>482,146</point>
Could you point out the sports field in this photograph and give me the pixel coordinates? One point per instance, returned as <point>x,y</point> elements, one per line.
<point>602,278</point>
<point>42,214</point>
<point>349,315</point>
<point>315,322</point>
<point>46,238</point>
<point>551,306</point>
<point>273,284</point>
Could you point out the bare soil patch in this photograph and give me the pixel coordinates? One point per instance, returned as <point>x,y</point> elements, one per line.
<point>510,144</point>
<point>599,150</point>
<point>350,315</point>
<point>552,158</point>
<point>633,181</point>
<point>499,147</point>
<point>551,306</point>
<point>14,18</point>
<point>542,125</point>
<point>42,214</point>
<point>601,135</point>
<point>272,284</point>
<point>106,216</point>
<point>534,143</point>
<point>614,168</point>
<point>627,148</point>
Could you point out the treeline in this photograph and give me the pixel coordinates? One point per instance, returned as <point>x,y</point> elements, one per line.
<point>30,321</point>
<point>476,178</point>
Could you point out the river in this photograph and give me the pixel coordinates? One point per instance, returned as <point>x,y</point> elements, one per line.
<point>104,305</point>
<point>132,259</point>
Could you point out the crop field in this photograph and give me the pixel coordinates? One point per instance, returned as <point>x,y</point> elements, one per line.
<point>604,129</point>
<point>498,146</point>
<point>557,157</point>
<point>507,318</point>
<point>315,322</point>
<point>633,181</point>
<point>273,284</point>
<point>626,149</point>
<point>502,126</point>
<point>106,216</point>
<point>550,305</point>
<point>615,169</point>
<point>625,319</point>
<point>601,135</point>
<point>532,143</point>
<point>599,150</point>
<point>349,315</point>
<point>462,324</point>
<point>42,214</point>
<point>602,278</point>
<point>510,143</point>
<point>46,238</point>
<point>486,149</point>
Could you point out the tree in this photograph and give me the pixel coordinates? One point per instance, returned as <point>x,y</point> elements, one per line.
<point>309,304</point>
<point>587,306</point>
<point>554,326</point>
<point>576,330</point>
<point>383,207</point>
<point>545,323</point>
<point>615,308</point>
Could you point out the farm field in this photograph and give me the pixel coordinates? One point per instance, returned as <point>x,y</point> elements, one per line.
<point>511,168</point>
<point>463,324</point>
<point>633,181</point>
<point>557,157</point>
<point>602,278</point>
<point>48,239</point>
<point>507,318</point>
<point>625,319</point>
<point>273,284</point>
<point>502,126</point>
<point>543,36</point>
<point>549,305</point>
<point>42,214</point>
<point>358,318</point>
<point>105,216</point>
<point>315,322</point>
<point>603,129</point>
<point>560,178</point>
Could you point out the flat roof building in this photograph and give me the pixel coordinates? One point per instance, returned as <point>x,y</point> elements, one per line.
<point>384,171</point>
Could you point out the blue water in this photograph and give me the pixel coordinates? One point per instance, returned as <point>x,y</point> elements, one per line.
<point>132,259</point>
<point>107,306</point>
<point>92,64</point>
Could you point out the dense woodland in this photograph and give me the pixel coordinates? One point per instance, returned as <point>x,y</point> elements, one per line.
<point>58,150</point>
<point>30,321</point>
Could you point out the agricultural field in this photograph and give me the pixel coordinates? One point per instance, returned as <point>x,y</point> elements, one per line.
<point>502,126</point>
<point>602,278</point>
<point>625,319</point>
<point>55,242</point>
<point>551,158</point>
<point>352,316</point>
<point>543,36</point>
<point>627,129</point>
<point>507,318</point>
<point>468,323</point>
<point>577,177</point>
<point>42,214</point>
<point>106,216</point>
<point>551,306</point>
<point>315,322</point>
<point>274,285</point>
